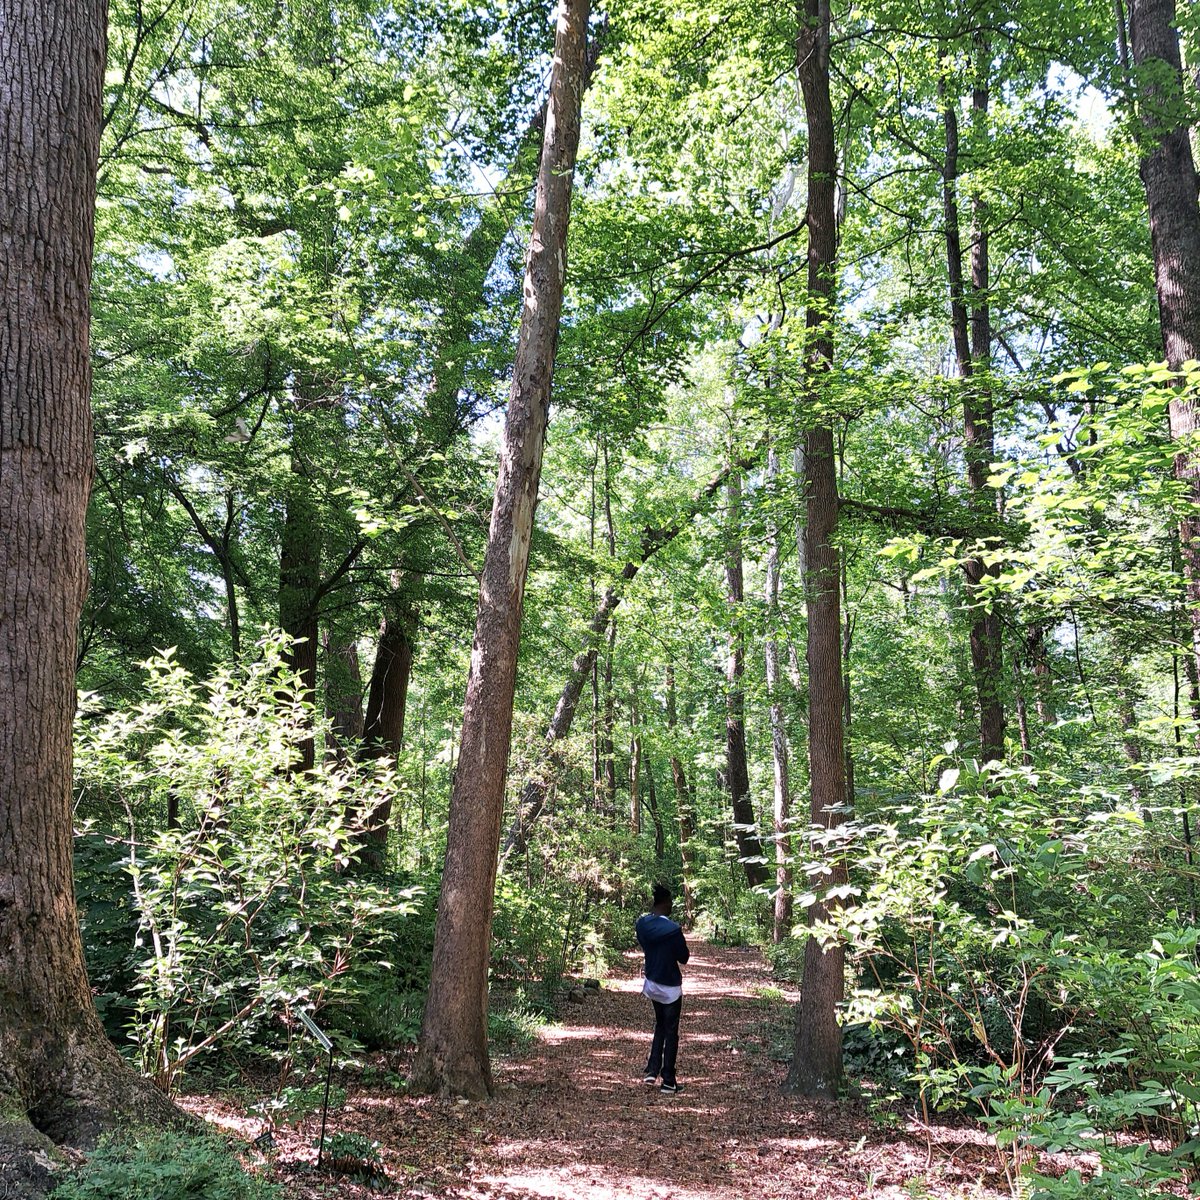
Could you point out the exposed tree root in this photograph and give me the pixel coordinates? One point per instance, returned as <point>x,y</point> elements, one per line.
<point>29,1160</point>
<point>93,1092</point>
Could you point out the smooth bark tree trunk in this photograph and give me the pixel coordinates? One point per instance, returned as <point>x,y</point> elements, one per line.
<point>780,753</point>
<point>737,772</point>
<point>816,1068</point>
<point>61,1082</point>
<point>452,1053</point>
<point>1169,173</point>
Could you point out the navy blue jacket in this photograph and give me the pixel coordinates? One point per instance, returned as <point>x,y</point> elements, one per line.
<point>665,948</point>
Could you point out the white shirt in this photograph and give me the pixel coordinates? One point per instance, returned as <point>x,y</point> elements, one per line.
<point>660,992</point>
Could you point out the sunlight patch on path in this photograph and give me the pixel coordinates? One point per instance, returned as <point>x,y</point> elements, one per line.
<point>592,1183</point>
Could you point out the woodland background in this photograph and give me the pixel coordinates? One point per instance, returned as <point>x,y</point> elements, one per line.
<point>310,227</point>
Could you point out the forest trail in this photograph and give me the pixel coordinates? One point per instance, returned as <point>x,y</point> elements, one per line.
<point>573,1121</point>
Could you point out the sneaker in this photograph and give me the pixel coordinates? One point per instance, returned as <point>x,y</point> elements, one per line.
<point>671,1088</point>
<point>649,1080</point>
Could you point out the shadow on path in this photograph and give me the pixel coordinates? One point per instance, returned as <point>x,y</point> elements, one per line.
<point>574,1122</point>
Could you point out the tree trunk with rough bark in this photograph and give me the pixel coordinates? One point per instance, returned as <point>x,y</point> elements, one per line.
<point>816,1068</point>
<point>452,1054</point>
<point>1168,171</point>
<point>61,1082</point>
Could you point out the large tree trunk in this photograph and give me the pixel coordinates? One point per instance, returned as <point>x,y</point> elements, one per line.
<point>737,772</point>
<point>1169,173</point>
<point>816,1068</point>
<point>452,1054</point>
<point>60,1080</point>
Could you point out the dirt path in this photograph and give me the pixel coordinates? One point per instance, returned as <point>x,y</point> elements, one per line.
<point>572,1120</point>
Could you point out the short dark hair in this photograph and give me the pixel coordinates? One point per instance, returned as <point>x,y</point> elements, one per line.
<point>662,894</point>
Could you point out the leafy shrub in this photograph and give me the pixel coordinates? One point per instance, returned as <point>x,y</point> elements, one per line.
<point>354,1154</point>
<point>241,904</point>
<point>1005,958</point>
<point>513,1028</point>
<point>163,1166</point>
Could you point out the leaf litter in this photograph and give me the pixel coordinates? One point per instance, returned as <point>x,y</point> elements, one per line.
<point>572,1120</point>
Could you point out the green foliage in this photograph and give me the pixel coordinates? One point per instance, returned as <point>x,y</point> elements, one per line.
<point>516,1027</point>
<point>999,932</point>
<point>243,905</point>
<point>310,228</point>
<point>163,1166</point>
<point>354,1154</point>
<point>296,1102</point>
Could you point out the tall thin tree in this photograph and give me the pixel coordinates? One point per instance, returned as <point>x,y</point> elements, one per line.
<point>816,1068</point>
<point>452,1054</point>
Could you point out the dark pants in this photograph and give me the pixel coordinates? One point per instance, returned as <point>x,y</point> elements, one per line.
<point>665,1045</point>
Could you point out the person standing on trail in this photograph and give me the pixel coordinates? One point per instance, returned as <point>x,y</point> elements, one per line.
<point>665,948</point>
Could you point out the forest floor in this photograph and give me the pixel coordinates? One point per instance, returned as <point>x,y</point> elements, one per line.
<point>572,1120</point>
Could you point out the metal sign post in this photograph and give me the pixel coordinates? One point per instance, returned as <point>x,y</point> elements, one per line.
<point>327,1045</point>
